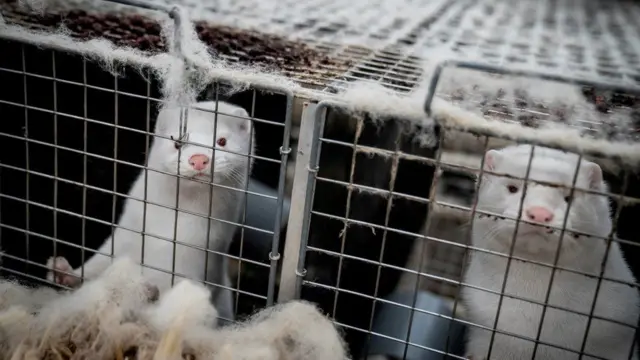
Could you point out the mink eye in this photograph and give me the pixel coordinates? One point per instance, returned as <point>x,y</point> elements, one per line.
<point>179,142</point>
<point>222,141</point>
<point>512,189</point>
<point>176,144</point>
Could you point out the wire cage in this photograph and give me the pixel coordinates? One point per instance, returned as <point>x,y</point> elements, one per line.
<point>84,146</point>
<point>370,217</point>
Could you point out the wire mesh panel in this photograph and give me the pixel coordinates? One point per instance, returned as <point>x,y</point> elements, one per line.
<point>411,237</point>
<point>595,40</point>
<point>413,264</point>
<point>370,191</point>
<point>554,291</point>
<point>595,112</point>
<point>569,290</point>
<point>86,156</point>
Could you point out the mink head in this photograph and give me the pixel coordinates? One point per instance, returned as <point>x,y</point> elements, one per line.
<point>225,137</point>
<point>544,205</point>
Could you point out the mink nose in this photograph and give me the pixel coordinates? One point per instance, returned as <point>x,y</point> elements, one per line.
<point>539,214</point>
<point>198,161</point>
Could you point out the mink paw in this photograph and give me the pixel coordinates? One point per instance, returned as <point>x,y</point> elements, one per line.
<point>58,267</point>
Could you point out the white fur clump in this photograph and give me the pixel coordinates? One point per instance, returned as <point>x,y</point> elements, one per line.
<point>112,317</point>
<point>100,50</point>
<point>14,327</point>
<point>557,105</point>
<point>81,322</point>
<point>18,303</point>
<point>32,299</point>
<point>184,320</point>
<point>290,331</point>
<point>357,97</point>
<point>554,136</point>
<point>186,304</point>
<point>212,69</point>
<point>473,82</point>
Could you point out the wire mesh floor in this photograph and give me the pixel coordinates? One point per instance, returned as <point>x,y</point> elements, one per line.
<point>387,40</point>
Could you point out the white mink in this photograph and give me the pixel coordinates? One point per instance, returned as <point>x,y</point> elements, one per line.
<point>588,213</point>
<point>231,169</point>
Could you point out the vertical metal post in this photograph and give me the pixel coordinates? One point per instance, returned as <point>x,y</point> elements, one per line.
<point>274,255</point>
<point>301,183</point>
<point>27,215</point>
<point>85,114</point>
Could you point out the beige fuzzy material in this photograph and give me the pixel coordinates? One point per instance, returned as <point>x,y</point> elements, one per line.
<point>112,317</point>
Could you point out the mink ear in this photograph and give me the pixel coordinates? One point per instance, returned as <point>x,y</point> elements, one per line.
<point>491,158</point>
<point>242,118</point>
<point>163,119</point>
<point>594,175</point>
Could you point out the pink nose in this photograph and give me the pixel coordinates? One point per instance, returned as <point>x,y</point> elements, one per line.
<point>539,214</point>
<point>198,161</point>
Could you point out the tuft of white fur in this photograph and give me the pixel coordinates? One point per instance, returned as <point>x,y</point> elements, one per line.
<point>14,327</point>
<point>294,330</point>
<point>187,304</point>
<point>570,139</point>
<point>120,288</point>
<point>32,299</point>
<point>111,316</point>
<point>572,291</point>
<point>86,322</point>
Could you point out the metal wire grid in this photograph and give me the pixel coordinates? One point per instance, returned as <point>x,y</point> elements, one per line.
<point>362,23</point>
<point>595,39</point>
<point>589,40</point>
<point>501,98</point>
<point>350,62</point>
<point>453,279</point>
<point>443,260</point>
<point>496,98</point>
<point>537,103</point>
<point>27,75</point>
<point>560,37</point>
<point>421,275</point>
<point>554,266</point>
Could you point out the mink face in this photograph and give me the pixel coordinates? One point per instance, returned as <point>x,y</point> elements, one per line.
<point>544,205</point>
<point>532,277</point>
<point>191,152</point>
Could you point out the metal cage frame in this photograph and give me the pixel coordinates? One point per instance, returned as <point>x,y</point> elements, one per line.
<point>292,262</point>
